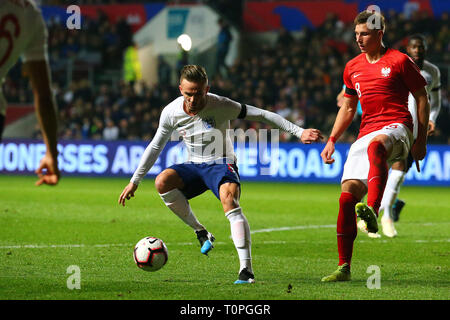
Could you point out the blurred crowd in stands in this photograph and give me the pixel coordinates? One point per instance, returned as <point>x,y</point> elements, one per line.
<point>298,77</point>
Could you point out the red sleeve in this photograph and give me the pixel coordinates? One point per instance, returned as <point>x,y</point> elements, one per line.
<point>347,81</point>
<point>411,76</point>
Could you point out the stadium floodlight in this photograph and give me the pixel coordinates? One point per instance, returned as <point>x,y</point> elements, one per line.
<point>185,42</point>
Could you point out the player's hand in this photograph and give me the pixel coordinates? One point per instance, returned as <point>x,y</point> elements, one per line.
<point>127,193</point>
<point>311,135</point>
<point>419,151</point>
<point>48,172</point>
<point>431,128</point>
<point>327,152</point>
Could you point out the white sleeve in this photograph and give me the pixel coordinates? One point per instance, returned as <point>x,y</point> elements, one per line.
<point>153,150</point>
<point>273,119</point>
<point>435,96</point>
<point>36,49</point>
<point>229,109</point>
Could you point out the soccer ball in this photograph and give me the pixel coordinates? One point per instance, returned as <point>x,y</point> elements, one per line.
<point>150,254</point>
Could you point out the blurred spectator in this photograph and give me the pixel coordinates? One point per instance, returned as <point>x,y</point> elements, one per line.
<point>147,129</point>
<point>133,128</point>
<point>86,129</point>
<point>124,33</point>
<point>70,48</point>
<point>285,38</point>
<point>103,96</point>
<point>223,45</point>
<point>123,129</point>
<point>164,72</point>
<point>111,131</point>
<point>183,59</point>
<point>131,65</point>
<point>97,129</point>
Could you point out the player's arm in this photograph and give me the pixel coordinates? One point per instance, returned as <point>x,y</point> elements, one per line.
<point>343,119</point>
<point>340,97</point>
<point>419,149</point>
<point>148,159</point>
<point>435,103</point>
<point>39,74</point>
<point>275,120</point>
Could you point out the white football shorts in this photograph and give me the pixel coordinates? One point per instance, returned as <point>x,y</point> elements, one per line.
<point>357,164</point>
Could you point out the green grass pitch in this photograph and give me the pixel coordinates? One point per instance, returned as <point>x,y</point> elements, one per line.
<point>44,230</point>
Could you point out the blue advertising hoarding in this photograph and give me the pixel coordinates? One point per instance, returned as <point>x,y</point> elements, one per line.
<point>294,162</point>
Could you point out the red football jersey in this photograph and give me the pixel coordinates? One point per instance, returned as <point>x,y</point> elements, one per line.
<point>383,88</point>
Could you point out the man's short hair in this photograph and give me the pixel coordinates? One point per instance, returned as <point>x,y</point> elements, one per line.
<point>419,37</point>
<point>375,20</point>
<point>194,73</point>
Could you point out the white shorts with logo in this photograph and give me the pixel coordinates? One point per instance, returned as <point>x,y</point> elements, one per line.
<point>357,164</point>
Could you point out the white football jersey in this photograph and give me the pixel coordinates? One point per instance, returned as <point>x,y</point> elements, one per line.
<point>432,76</point>
<point>22,34</point>
<point>205,134</point>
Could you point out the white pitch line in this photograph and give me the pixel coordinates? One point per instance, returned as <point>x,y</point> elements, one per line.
<point>426,241</point>
<point>107,245</point>
<point>45,246</point>
<point>294,228</point>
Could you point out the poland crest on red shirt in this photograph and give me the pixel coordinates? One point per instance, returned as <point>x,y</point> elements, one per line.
<point>386,71</point>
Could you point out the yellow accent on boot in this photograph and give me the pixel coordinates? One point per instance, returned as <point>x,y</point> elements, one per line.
<point>341,274</point>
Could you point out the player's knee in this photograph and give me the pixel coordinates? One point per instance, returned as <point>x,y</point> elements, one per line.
<point>166,181</point>
<point>160,183</point>
<point>229,197</point>
<point>229,201</point>
<point>399,165</point>
<point>355,187</point>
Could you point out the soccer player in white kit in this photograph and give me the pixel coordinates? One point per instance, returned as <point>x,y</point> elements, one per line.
<point>416,49</point>
<point>23,34</point>
<point>203,120</point>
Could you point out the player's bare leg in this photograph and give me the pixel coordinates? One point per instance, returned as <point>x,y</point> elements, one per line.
<point>169,185</point>
<point>240,229</point>
<point>352,192</point>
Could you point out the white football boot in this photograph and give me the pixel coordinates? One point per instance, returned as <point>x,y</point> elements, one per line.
<point>388,227</point>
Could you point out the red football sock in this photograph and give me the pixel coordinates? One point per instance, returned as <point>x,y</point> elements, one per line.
<point>346,227</point>
<point>378,174</point>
